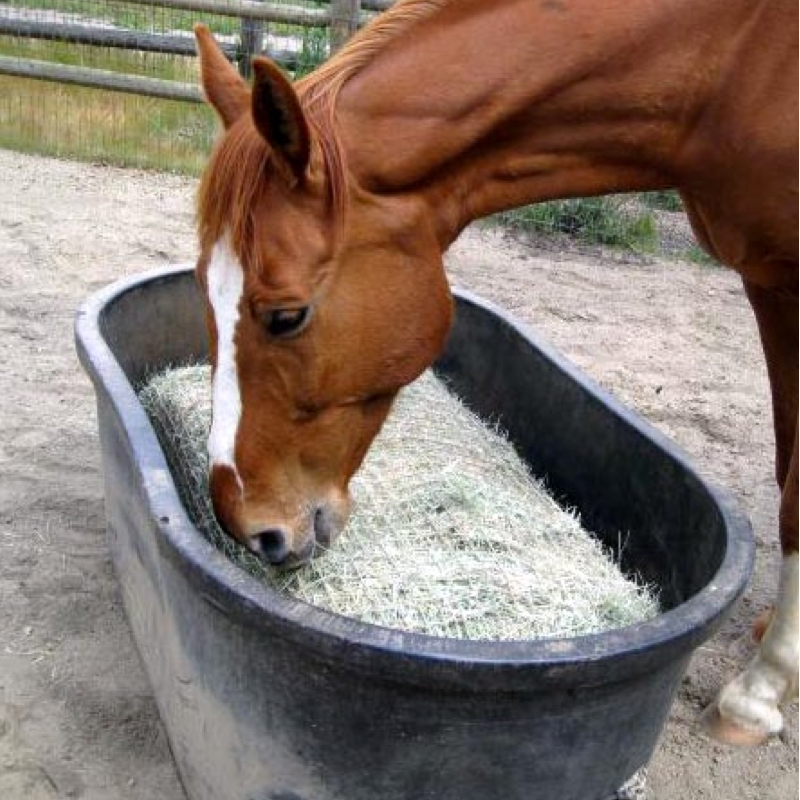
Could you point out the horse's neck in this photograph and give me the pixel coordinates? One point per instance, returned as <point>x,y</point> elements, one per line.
<point>488,105</point>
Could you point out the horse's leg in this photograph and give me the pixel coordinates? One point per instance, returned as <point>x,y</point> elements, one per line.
<point>747,710</point>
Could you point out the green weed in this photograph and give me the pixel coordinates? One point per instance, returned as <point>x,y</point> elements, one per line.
<point>595,220</point>
<point>663,201</point>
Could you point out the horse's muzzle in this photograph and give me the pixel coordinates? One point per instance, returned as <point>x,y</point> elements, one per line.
<point>277,547</point>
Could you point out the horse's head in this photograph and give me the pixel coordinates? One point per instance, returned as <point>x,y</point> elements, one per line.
<point>318,311</point>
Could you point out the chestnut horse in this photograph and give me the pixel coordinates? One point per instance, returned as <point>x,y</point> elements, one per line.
<point>326,207</point>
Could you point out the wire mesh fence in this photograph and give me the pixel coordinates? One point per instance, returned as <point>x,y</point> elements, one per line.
<point>117,82</point>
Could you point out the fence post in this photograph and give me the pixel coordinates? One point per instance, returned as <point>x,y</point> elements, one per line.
<point>344,22</point>
<point>251,44</point>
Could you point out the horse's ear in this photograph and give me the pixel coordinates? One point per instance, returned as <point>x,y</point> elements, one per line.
<point>222,85</point>
<point>279,118</point>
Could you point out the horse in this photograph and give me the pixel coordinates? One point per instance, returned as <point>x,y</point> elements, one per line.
<point>326,206</point>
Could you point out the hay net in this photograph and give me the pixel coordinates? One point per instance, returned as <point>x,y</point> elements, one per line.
<point>450,535</point>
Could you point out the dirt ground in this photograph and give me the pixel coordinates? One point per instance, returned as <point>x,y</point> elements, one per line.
<point>675,341</point>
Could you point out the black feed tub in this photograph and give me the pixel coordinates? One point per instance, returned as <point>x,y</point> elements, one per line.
<point>266,698</point>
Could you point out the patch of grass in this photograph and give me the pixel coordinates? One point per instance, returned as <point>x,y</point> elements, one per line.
<point>594,220</point>
<point>91,125</point>
<point>663,201</point>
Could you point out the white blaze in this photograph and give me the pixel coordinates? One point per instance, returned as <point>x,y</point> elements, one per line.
<point>225,288</point>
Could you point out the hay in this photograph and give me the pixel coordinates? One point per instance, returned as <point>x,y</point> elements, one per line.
<point>450,535</point>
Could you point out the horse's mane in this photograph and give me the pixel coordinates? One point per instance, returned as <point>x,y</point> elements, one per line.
<point>241,160</point>
<point>320,89</point>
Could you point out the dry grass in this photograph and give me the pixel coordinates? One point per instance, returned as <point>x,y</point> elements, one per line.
<point>451,535</point>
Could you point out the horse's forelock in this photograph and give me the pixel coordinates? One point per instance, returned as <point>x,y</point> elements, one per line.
<point>230,186</point>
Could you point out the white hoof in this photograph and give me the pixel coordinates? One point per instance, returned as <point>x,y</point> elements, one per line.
<point>733,732</point>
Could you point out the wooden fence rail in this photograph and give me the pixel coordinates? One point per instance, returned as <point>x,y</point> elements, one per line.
<point>104,37</point>
<point>100,78</point>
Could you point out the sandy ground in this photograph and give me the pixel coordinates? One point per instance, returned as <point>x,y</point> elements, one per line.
<point>675,341</point>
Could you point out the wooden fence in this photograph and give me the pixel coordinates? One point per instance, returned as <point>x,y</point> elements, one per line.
<point>341,17</point>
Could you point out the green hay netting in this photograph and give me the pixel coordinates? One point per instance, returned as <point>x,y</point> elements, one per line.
<point>450,534</point>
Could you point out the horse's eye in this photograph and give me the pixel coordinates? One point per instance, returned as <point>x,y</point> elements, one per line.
<point>285,322</point>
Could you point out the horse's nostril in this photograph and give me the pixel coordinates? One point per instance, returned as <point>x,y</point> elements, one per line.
<point>322,528</point>
<point>271,545</point>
